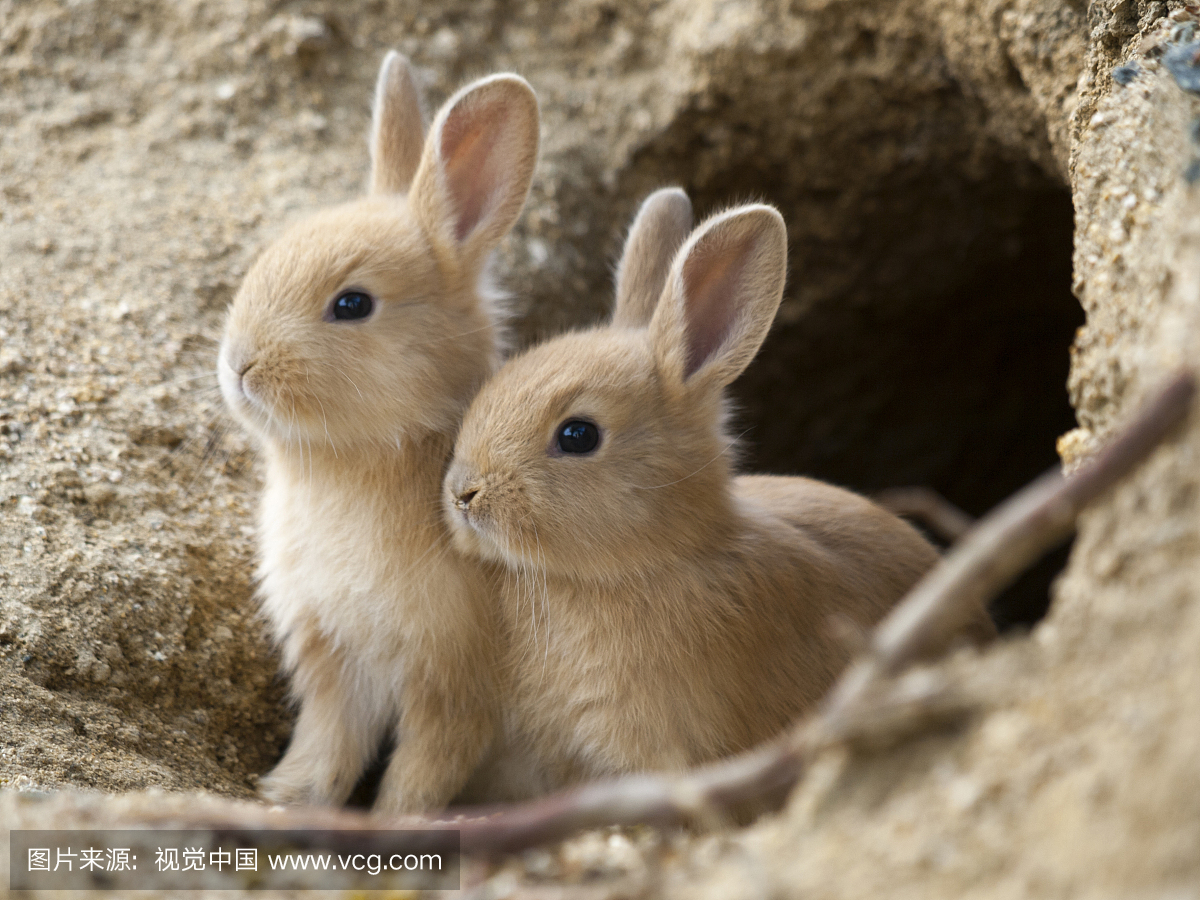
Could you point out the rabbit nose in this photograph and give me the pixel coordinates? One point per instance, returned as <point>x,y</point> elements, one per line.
<point>463,501</point>
<point>241,375</point>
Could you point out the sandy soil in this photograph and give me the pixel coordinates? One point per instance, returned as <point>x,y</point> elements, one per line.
<point>148,149</point>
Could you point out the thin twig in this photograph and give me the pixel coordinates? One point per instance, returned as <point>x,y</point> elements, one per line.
<point>981,565</point>
<point>928,507</point>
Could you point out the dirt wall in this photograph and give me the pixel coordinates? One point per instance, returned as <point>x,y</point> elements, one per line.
<point>929,157</point>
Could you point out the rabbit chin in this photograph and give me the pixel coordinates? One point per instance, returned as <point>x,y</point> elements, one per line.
<point>479,536</point>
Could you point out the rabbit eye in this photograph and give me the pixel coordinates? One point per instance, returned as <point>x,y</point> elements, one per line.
<point>353,305</point>
<point>578,436</point>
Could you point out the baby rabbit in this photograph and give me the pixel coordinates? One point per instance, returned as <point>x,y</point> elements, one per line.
<point>350,352</point>
<point>661,612</point>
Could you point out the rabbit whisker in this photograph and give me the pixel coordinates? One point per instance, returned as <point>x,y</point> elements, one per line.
<point>183,379</point>
<point>545,591</point>
<point>523,587</point>
<point>215,437</point>
<point>435,544</point>
<point>325,421</point>
<point>352,384</point>
<point>187,444</point>
<point>527,591</point>
<point>187,378</point>
<point>300,443</point>
<point>203,338</point>
<point>202,389</point>
<point>221,466</point>
<point>461,334</point>
<point>720,453</point>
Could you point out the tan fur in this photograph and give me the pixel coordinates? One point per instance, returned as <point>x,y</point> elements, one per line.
<point>395,154</point>
<point>660,227</point>
<point>382,625</point>
<point>660,612</point>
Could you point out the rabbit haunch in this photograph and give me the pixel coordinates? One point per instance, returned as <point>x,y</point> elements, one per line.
<point>382,625</point>
<point>659,611</point>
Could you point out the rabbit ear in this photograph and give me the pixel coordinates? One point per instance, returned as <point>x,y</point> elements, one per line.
<point>721,296</point>
<point>397,127</point>
<point>660,227</point>
<point>478,164</point>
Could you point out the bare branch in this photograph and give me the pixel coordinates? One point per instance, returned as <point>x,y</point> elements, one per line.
<point>928,507</point>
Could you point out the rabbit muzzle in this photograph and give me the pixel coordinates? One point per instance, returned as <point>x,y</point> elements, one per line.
<point>463,500</point>
<point>462,487</point>
<point>232,366</point>
<point>478,508</point>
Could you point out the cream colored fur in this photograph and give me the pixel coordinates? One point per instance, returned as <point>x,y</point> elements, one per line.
<point>383,626</point>
<point>658,611</point>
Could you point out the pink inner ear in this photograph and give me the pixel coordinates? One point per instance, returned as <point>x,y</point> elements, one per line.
<point>468,139</point>
<point>710,283</point>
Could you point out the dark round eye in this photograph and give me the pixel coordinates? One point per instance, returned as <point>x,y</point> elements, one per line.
<point>578,436</point>
<point>353,305</point>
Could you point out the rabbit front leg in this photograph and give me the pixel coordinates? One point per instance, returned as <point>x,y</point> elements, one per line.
<point>340,725</point>
<point>444,731</point>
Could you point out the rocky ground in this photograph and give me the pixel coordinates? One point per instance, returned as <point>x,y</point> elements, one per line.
<point>929,156</point>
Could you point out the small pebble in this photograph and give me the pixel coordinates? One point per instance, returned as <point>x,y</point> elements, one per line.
<point>1181,62</point>
<point>1124,75</point>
